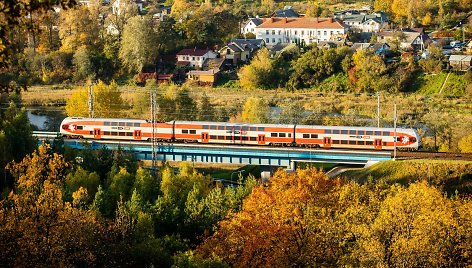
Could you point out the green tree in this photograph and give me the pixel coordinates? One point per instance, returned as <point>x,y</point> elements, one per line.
<point>82,178</point>
<point>206,109</point>
<point>138,33</point>
<point>83,65</point>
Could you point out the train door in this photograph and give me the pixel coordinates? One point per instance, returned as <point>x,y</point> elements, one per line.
<point>96,133</point>
<point>378,144</point>
<point>205,137</point>
<point>137,134</point>
<point>261,139</point>
<point>327,142</point>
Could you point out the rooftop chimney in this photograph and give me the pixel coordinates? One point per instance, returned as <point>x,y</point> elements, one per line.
<point>285,20</point>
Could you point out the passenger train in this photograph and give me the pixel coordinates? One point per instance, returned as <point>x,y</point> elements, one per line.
<point>242,134</point>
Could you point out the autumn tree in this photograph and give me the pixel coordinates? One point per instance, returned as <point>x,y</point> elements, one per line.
<point>38,227</point>
<point>288,222</point>
<point>77,29</point>
<point>107,99</point>
<point>120,16</point>
<point>255,110</point>
<point>257,74</point>
<point>138,44</point>
<point>368,73</point>
<point>465,144</point>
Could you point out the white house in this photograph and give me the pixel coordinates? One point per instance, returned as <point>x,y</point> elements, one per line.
<point>250,25</point>
<point>302,30</point>
<point>118,5</point>
<point>194,57</point>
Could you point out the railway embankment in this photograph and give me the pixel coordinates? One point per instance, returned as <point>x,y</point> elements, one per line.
<point>450,175</point>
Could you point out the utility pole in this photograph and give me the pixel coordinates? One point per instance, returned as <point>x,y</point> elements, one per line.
<point>153,125</point>
<point>394,131</point>
<point>378,110</point>
<point>91,101</point>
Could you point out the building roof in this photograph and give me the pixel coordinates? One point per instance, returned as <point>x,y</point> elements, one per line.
<point>357,46</point>
<point>233,48</point>
<point>354,18</point>
<point>247,44</point>
<point>213,64</point>
<point>285,13</point>
<point>317,23</point>
<point>193,52</point>
<point>256,21</point>
<point>460,58</point>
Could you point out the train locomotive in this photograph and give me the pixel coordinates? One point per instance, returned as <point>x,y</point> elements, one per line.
<point>242,134</point>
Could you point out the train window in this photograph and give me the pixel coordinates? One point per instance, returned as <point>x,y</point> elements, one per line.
<point>106,132</point>
<point>193,131</point>
<point>213,137</point>
<point>237,127</point>
<point>314,136</point>
<point>213,127</point>
<point>361,132</point>
<point>384,143</point>
<point>137,124</point>
<point>122,124</point>
<point>306,136</point>
<point>244,138</point>
<point>229,127</point>
<point>184,131</point>
<point>252,128</point>
<point>221,127</point>
<point>378,133</point>
<point>327,131</point>
<point>252,138</point>
<point>343,142</point>
<point>386,133</point>
<point>282,135</point>
<point>80,127</point>
<point>352,142</point>
<point>122,133</point>
<point>413,139</point>
<point>273,134</point>
<point>113,133</point>
<point>260,129</point>
<point>352,132</point>
<point>335,131</point>
<point>335,141</point>
<point>114,123</point>
<point>129,124</point>
<point>228,138</point>
<point>369,143</point>
<point>368,132</point>
<point>205,126</point>
<point>343,131</point>
<point>361,143</point>
<point>106,123</point>
<point>91,132</point>
<point>397,138</point>
<point>221,137</point>
<point>244,128</point>
<point>129,134</point>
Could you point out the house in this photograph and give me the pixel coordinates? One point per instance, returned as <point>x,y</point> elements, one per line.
<point>361,23</point>
<point>250,26</point>
<point>162,12</point>
<point>118,5</point>
<point>287,12</point>
<point>377,48</point>
<point>204,78</point>
<point>300,30</point>
<point>414,39</point>
<point>468,47</point>
<point>461,62</point>
<point>241,50</point>
<point>194,57</point>
<point>330,44</point>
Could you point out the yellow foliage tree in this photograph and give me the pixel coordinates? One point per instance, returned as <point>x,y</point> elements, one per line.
<point>465,144</point>
<point>107,101</point>
<point>258,73</point>
<point>38,228</point>
<point>255,110</point>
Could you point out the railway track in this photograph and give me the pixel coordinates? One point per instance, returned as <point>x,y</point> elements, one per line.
<point>431,155</point>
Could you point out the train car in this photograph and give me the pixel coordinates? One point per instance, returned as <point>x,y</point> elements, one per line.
<point>233,133</point>
<point>242,134</point>
<point>357,137</point>
<point>117,129</point>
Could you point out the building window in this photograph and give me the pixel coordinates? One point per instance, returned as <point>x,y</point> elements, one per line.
<point>228,51</point>
<point>295,32</point>
<point>331,32</point>
<point>267,40</point>
<point>325,32</point>
<point>280,32</point>
<point>303,32</point>
<point>273,32</point>
<point>319,32</point>
<point>273,40</point>
<point>193,58</point>
<point>280,40</point>
<point>267,32</point>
